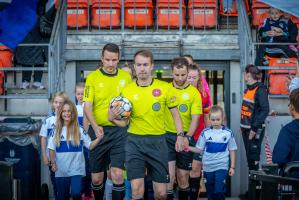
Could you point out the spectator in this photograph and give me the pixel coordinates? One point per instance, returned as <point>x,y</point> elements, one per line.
<point>273,30</point>
<point>286,148</point>
<point>36,56</point>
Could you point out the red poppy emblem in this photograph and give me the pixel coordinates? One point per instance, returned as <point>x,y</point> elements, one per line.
<point>156,92</point>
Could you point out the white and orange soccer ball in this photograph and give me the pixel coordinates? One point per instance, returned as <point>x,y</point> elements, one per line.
<point>125,105</point>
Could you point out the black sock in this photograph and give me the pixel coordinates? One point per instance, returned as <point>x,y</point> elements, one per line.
<point>170,195</point>
<point>118,191</point>
<point>184,193</point>
<point>98,191</point>
<point>194,184</point>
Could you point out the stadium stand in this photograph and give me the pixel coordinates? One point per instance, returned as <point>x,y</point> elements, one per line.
<point>202,13</point>
<point>77,13</point>
<point>258,10</point>
<point>138,13</point>
<point>278,77</point>
<point>105,13</point>
<point>169,13</point>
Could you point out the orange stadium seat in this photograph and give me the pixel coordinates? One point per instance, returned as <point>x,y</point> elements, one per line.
<point>77,13</point>
<point>278,77</point>
<point>138,13</point>
<point>202,13</point>
<point>168,13</point>
<point>234,12</point>
<point>5,61</point>
<point>258,9</point>
<point>105,13</point>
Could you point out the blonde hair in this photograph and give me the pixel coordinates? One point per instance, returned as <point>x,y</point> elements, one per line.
<point>73,130</point>
<point>217,108</point>
<point>59,94</point>
<point>79,85</point>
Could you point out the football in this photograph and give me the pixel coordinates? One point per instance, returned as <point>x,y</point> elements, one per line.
<point>125,106</point>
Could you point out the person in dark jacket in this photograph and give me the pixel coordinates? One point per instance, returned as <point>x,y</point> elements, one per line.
<point>286,148</point>
<point>255,109</point>
<point>36,55</point>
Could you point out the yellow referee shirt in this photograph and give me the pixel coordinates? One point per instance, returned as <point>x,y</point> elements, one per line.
<point>189,101</point>
<point>100,89</point>
<point>149,104</point>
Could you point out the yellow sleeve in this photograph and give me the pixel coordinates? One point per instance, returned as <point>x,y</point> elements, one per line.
<point>196,107</point>
<point>89,90</point>
<point>172,100</point>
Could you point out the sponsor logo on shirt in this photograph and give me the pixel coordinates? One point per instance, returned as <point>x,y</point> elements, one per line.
<point>156,92</point>
<point>183,108</point>
<point>156,106</point>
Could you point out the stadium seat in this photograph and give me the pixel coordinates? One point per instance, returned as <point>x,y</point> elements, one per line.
<point>105,13</point>
<point>77,13</point>
<point>258,9</point>
<point>202,13</point>
<point>278,77</point>
<point>234,12</point>
<point>138,13</point>
<point>168,13</point>
<point>5,61</point>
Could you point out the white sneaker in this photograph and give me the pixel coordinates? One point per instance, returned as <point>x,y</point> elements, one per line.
<point>38,85</point>
<point>25,85</point>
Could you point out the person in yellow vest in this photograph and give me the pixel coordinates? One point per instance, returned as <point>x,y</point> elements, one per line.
<point>255,109</point>
<point>146,147</point>
<point>101,86</point>
<point>190,108</point>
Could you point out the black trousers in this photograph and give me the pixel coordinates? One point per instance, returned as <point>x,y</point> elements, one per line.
<point>37,76</point>
<point>253,147</point>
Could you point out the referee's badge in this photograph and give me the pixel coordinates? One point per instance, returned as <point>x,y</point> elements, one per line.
<point>183,108</point>
<point>156,106</point>
<point>156,92</point>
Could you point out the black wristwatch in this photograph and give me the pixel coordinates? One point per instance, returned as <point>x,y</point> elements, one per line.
<point>182,134</point>
<point>188,137</point>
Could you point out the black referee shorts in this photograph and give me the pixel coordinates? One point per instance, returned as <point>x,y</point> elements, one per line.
<point>147,152</point>
<point>183,159</point>
<point>109,151</point>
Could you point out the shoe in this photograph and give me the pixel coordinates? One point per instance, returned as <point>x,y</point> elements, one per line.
<point>25,85</point>
<point>38,85</point>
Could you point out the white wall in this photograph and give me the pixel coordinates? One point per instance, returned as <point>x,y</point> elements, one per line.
<point>239,180</point>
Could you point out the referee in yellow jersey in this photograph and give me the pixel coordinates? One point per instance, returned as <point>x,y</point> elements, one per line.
<point>190,108</point>
<point>101,86</point>
<point>146,147</point>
